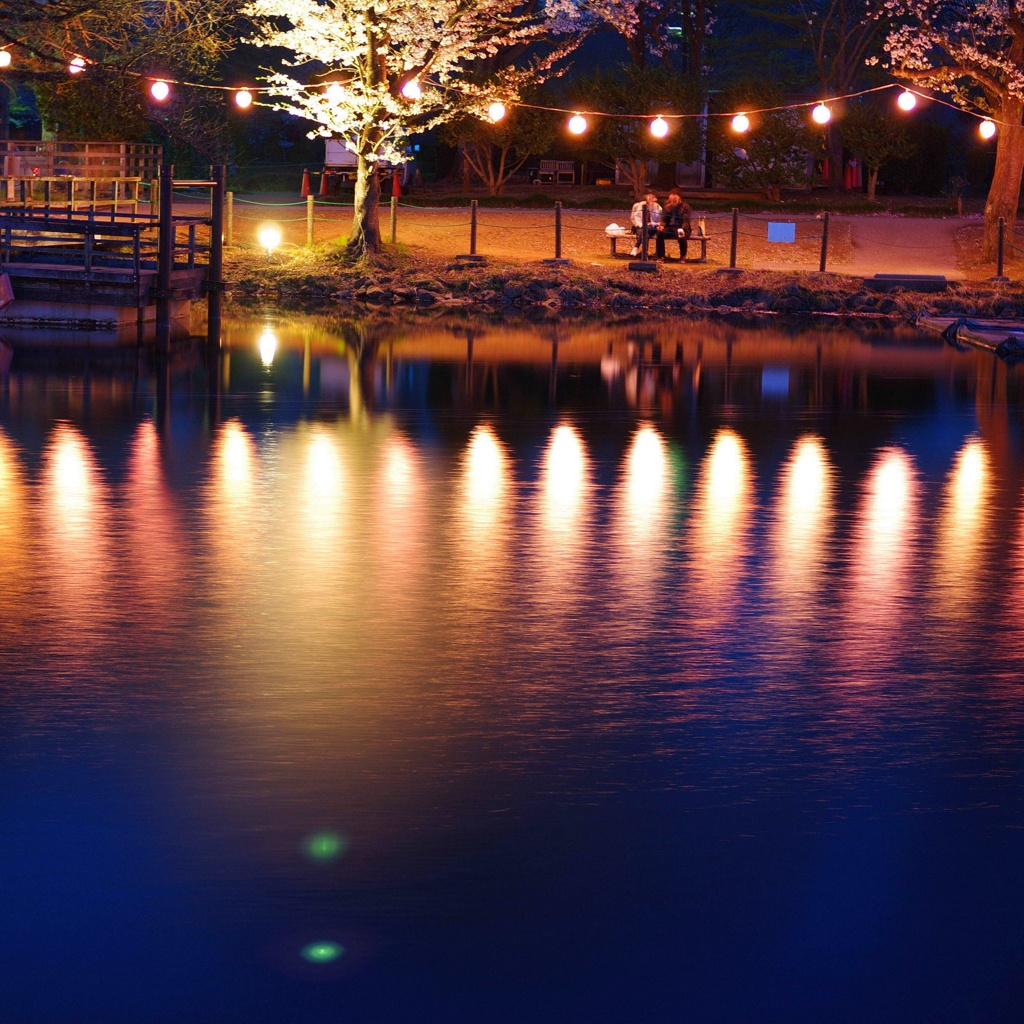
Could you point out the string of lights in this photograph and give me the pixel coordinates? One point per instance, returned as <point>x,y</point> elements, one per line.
<point>660,123</point>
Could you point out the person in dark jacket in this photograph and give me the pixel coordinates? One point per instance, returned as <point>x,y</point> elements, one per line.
<point>675,223</point>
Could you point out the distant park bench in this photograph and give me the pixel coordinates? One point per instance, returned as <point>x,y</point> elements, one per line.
<point>556,172</point>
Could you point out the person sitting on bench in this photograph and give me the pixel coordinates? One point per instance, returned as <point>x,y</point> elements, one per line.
<point>675,223</point>
<point>636,218</point>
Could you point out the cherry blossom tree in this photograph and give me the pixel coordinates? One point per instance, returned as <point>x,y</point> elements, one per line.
<point>972,50</point>
<point>373,72</point>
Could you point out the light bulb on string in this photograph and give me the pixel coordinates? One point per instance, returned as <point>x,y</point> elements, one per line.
<point>160,90</point>
<point>577,124</point>
<point>411,90</point>
<point>496,111</point>
<point>821,114</point>
<point>987,128</point>
<point>243,99</point>
<point>335,92</point>
<point>906,100</point>
<point>5,58</point>
<point>659,127</point>
<point>741,123</point>
<point>76,66</point>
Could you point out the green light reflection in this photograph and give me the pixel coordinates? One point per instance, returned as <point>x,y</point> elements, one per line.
<point>322,952</point>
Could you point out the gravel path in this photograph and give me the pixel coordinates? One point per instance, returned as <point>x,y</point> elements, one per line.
<point>860,246</point>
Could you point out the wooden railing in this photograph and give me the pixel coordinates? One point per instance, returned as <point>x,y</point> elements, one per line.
<point>20,158</point>
<point>74,193</point>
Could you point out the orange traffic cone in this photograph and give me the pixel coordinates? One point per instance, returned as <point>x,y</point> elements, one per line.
<point>323,182</point>
<point>305,183</point>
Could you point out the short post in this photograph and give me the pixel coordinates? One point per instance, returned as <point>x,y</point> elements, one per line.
<point>824,243</point>
<point>394,218</point>
<point>645,219</point>
<point>165,255</point>
<point>999,247</point>
<point>230,239</point>
<point>309,220</point>
<point>215,271</point>
<point>732,241</point>
<point>472,227</point>
<point>558,230</point>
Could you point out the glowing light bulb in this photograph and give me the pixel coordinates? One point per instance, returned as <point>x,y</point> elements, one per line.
<point>243,98</point>
<point>659,127</point>
<point>906,100</point>
<point>496,111</point>
<point>335,93</point>
<point>411,90</point>
<point>577,124</point>
<point>269,237</point>
<point>160,90</point>
<point>987,128</point>
<point>77,65</point>
<point>821,114</point>
<point>5,58</point>
<point>740,123</point>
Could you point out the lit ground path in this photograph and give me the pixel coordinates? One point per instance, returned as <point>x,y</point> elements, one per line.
<point>904,245</point>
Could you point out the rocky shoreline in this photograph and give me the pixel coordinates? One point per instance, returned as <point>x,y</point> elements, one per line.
<point>548,290</point>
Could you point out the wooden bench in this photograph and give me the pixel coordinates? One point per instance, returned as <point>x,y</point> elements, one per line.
<point>629,237</point>
<point>556,172</point>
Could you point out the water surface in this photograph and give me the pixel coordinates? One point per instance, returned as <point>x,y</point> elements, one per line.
<point>487,672</point>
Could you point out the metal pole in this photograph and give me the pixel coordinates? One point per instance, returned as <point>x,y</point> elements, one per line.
<point>472,227</point>
<point>732,242</point>
<point>645,215</point>
<point>165,255</point>
<point>824,243</point>
<point>215,271</point>
<point>558,230</point>
<point>999,248</point>
<point>230,239</point>
<point>394,218</point>
<point>309,220</point>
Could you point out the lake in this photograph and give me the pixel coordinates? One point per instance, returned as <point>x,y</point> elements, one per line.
<point>490,671</point>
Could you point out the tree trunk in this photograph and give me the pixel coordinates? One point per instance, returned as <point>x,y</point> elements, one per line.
<point>364,238</point>
<point>834,148</point>
<point>1004,192</point>
<point>872,182</point>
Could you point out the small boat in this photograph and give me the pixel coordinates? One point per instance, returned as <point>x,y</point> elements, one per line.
<point>1004,338</point>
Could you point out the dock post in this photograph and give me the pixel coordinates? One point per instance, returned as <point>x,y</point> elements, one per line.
<point>824,243</point>
<point>732,240</point>
<point>472,227</point>
<point>165,256</point>
<point>230,231</point>
<point>309,220</point>
<point>999,250</point>
<point>215,271</point>
<point>394,218</point>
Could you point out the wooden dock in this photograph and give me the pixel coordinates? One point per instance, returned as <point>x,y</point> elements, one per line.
<point>113,265</point>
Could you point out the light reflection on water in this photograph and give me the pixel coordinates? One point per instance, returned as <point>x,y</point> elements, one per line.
<point>720,700</point>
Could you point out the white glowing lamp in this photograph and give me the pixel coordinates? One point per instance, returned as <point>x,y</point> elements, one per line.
<point>496,111</point>
<point>76,66</point>
<point>243,99</point>
<point>906,100</point>
<point>741,123</point>
<point>659,127</point>
<point>987,128</point>
<point>5,58</point>
<point>269,237</point>
<point>821,114</point>
<point>411,90</point>
<point>335,92</point>
<point>159,90</point>
<point>577,124</point>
